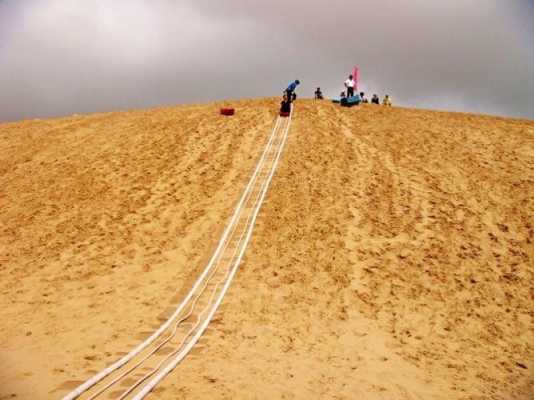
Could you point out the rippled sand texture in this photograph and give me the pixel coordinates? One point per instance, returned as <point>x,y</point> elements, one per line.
<point>393,258</point>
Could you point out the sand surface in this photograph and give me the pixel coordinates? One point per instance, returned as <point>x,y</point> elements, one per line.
<point>393,258</point>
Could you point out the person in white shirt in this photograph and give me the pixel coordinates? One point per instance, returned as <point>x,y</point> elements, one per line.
<point>350,84</point>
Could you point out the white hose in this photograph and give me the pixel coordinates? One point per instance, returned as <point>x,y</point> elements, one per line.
<point>154,370</point>
<point>179,357</point>
<point>118,364</point>
<point>175,328</point>
<point>198,321</point>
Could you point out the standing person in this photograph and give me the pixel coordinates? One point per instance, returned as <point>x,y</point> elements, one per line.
<point>350,84</point>
<point>375,99</point>
<point>318,94</point>
<point>290,91</point>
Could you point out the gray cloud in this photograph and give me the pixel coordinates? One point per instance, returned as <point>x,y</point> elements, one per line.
<point>59,57</point>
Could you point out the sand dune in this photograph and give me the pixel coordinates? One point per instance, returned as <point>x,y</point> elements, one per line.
<point>393,258</point>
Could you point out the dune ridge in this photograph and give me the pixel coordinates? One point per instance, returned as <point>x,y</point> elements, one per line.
<point>393,257</point>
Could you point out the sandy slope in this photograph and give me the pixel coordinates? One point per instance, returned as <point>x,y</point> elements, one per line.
<point>393,258</point>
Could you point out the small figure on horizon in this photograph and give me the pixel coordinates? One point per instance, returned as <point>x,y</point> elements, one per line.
<point>387,101</point>
<point>285,105</point>
<point>375,99</point>
<point>342,95</point>
<point>364,99</point>
<point>350,84</point>
<point>290,91</point>
<point>318,94</point>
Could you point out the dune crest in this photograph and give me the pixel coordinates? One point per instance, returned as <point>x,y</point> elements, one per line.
<point>393,257</point>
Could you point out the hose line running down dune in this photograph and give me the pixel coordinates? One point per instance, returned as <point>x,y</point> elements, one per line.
<point>174,331</point>
<point>198,321</point>
<point>223,243</point>
<point>179,357</point>
<point>191,309</point>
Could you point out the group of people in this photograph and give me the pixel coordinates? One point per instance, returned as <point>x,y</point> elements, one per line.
<point>386,101</point>
<point>350,84</point>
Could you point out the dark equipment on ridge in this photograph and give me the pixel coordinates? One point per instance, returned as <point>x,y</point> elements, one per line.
<point>227,111</point>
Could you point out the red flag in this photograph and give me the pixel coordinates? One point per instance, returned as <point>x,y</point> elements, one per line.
<point>356,77</point>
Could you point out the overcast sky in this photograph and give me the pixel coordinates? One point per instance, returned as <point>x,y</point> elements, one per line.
<point>59,57</point>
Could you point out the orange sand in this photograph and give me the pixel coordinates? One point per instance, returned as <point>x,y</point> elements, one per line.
<point>393,258</point>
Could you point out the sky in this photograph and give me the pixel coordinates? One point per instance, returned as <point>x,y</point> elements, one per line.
<point>60,57</point>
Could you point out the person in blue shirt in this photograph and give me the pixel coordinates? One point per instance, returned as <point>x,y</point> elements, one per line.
<point>290,91</point>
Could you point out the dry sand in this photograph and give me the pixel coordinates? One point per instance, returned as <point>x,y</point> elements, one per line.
<point>393,258</point>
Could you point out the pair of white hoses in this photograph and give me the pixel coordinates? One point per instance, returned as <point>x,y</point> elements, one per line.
<point>231,226</point>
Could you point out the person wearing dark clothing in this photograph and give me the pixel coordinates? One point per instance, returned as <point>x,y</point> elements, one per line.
<point>375,99</point>
<point>285,105</point>
<point>290,91</point>
<point>342,98</point>
<point>318,94</point>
